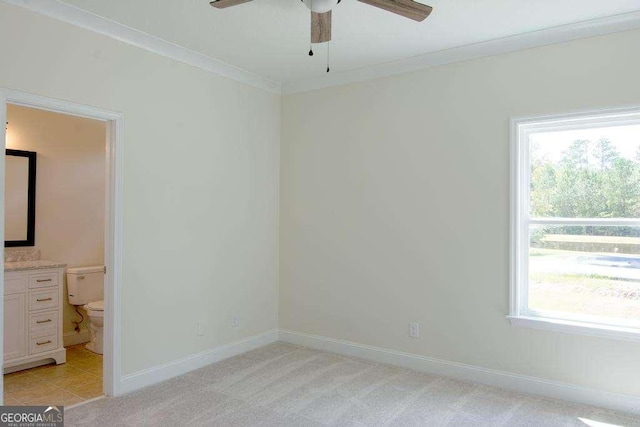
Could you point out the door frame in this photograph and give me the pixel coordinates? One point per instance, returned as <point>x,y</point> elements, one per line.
<point>113,223</point>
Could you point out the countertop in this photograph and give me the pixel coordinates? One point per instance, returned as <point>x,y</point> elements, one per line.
<point>32,265</point>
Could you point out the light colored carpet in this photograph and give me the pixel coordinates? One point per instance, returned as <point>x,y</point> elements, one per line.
<point>286,385</point>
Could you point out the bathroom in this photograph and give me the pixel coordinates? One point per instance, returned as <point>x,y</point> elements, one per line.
<point>55,196</point>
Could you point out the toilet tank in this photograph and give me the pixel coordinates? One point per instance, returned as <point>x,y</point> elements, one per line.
<point>85,284</point>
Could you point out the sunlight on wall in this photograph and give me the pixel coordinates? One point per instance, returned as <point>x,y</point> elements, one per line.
<point>13,137</point>
<point>8,135</point>
<point>592,423</point>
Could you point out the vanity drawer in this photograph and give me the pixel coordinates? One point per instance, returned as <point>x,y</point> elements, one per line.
<point>43,323</point>
<point>14,283</point>
<point>43,280</point>
<point>44,343</point>
<point>43,299</point>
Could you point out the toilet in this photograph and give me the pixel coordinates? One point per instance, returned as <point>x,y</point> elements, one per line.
<point>85,287</point>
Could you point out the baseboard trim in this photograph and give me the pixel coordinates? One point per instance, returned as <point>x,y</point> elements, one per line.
<point>476,374</point>
<point>492,377</point>
<point>74,338</point>
<point>173,369</point>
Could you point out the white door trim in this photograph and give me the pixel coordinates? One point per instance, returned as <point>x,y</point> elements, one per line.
<point>113,229</point>
<point>3,134</point>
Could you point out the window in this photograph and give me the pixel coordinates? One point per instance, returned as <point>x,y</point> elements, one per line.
<point>575,223</point>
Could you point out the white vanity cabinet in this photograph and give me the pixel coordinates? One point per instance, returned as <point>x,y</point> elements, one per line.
<point>33,317</point>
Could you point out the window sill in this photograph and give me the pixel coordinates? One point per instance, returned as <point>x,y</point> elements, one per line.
<point>574,327</point>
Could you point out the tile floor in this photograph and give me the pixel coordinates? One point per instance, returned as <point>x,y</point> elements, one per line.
<point>77,380</point>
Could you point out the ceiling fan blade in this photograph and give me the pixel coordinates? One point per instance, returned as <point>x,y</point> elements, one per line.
<point>221,4</point>
<point>320,27</point>
<point>407,8</point>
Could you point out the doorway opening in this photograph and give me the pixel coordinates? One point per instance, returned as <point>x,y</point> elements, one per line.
<point>60,284</point>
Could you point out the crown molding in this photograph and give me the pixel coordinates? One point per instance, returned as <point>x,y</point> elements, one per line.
<point>90,21</point>
<point>548,36</point>
<point>87,20</point>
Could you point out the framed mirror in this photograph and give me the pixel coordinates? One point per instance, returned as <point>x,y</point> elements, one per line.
<point>20,198</point>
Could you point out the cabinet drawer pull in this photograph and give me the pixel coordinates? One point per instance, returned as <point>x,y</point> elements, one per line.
<point>43,280</point>
<point>43,343</point>
<point>43,321</point>
<point>44,299</point>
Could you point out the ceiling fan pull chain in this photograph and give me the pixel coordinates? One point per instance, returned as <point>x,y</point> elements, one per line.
<point>328,51</point>
<point>310,45</point>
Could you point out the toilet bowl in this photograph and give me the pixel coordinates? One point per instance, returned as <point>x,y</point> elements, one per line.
<point>95,311</point>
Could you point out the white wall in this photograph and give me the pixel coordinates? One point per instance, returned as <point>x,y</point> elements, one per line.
<point>395,208</point>
<point>201,162</point>
<point>394,198</point>
<point>70,186</point>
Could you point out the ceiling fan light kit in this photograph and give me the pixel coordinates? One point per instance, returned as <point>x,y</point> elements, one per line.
<point>320,6</point>
<point>321,14</point>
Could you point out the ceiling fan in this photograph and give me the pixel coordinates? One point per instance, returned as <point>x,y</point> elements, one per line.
<point>321,14</point>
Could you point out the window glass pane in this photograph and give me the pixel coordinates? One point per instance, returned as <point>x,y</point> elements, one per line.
<point>591,173</point>
<point>585,271</point>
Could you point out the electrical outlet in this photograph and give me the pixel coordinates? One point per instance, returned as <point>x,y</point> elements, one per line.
<point>234,321</point>
<point>200,328</point>
<point>414,330</point>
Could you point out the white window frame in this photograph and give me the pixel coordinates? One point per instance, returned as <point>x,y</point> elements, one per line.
<point>519,314</point>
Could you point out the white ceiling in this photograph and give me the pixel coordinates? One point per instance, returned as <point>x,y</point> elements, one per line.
<point>271,37</point>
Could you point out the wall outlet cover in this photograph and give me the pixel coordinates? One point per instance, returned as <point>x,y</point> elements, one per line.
<point>414,330</point>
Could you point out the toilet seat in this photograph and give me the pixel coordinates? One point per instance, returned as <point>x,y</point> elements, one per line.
<point>95,309</point>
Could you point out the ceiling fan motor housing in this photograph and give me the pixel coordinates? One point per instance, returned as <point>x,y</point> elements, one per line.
<point>320,6</point>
